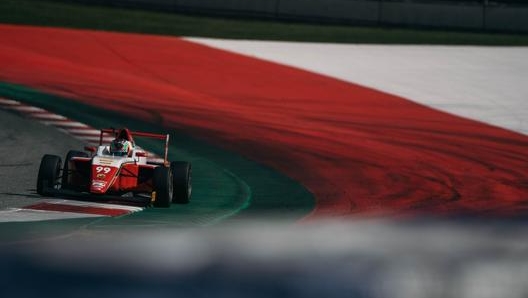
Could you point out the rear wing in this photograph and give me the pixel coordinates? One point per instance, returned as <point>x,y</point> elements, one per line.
<point>114,132</point>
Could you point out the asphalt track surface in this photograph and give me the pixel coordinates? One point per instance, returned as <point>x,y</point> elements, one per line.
<point>23,145</point>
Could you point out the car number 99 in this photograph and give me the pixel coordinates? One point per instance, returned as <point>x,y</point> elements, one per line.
<point>106,170</point>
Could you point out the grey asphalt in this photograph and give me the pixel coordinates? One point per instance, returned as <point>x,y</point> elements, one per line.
<point>23,143</point>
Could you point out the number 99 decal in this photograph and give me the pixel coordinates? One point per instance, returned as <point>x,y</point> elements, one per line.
<point>105,170</point>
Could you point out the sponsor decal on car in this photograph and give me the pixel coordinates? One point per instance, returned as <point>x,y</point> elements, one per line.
<point>101,176</point>
<point>105,161</point>
<point>98,184</point>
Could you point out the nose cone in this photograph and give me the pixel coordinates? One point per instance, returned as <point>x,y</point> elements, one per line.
<point>102,177</point>
<point>99,187</point>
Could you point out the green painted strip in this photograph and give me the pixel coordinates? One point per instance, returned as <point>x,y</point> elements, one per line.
<point>245,204</point>
<point>226,186</point>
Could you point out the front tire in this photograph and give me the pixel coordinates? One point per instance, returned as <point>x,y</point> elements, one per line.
<point>49,174</point>
<point>182,180</point>
<point>162,182</point>
<point>66,171</point>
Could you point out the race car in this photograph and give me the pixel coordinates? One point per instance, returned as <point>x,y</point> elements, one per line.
<point>104,172</point>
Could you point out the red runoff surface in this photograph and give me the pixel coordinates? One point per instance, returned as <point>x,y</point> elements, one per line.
<point>360,151</point>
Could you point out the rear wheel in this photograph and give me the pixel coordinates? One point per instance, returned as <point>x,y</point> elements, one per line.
<point>66,171</point>
<point>162,180</point>
<point>49,174</point>
<point>182,180</point>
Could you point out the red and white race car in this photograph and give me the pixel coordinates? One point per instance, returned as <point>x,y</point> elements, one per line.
<point>103,174</point>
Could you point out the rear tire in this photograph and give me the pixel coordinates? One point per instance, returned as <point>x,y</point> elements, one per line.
<point>182,180</point>
<point>162,180</point>
<point>66,171</point>
<point>49,174</point>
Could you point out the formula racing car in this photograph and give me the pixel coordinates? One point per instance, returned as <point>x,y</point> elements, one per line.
<point>117,171</point>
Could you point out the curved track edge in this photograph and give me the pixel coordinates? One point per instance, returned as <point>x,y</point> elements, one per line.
<point>228,187</point>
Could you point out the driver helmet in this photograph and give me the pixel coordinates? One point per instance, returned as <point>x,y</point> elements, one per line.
<point>120,147</point>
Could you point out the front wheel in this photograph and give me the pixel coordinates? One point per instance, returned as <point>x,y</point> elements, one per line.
<point>182,180</point>
<point>49,174</point>
<point>162,182</point>
<point>67,174</point>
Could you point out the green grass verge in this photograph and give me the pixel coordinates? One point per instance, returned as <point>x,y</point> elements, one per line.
<point>49,13</point>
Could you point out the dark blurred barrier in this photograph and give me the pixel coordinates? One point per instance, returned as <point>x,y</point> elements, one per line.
<point>479,15</point>
<point>357,259</point>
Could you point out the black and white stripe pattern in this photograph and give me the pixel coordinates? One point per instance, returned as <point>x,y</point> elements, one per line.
<point>76,129</point>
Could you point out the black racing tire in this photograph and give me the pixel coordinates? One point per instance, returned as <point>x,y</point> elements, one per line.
<point>162,182</point>
<point>48,174</point>
<point>182,180</point>
<point>66,169</point>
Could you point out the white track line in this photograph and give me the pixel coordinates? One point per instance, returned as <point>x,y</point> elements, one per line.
<point>85,131</point>
<point>27,109</point>
<point>91,204</point>
<point>5,101</point>
<point>46,116</point>
<point>25,215</point>
<point>65,124</point>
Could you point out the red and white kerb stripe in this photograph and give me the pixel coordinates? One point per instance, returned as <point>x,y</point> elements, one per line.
<point>49,209</point>
<point>76,129</point>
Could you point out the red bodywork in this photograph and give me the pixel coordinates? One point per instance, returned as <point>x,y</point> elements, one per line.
<point>106,174</point>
